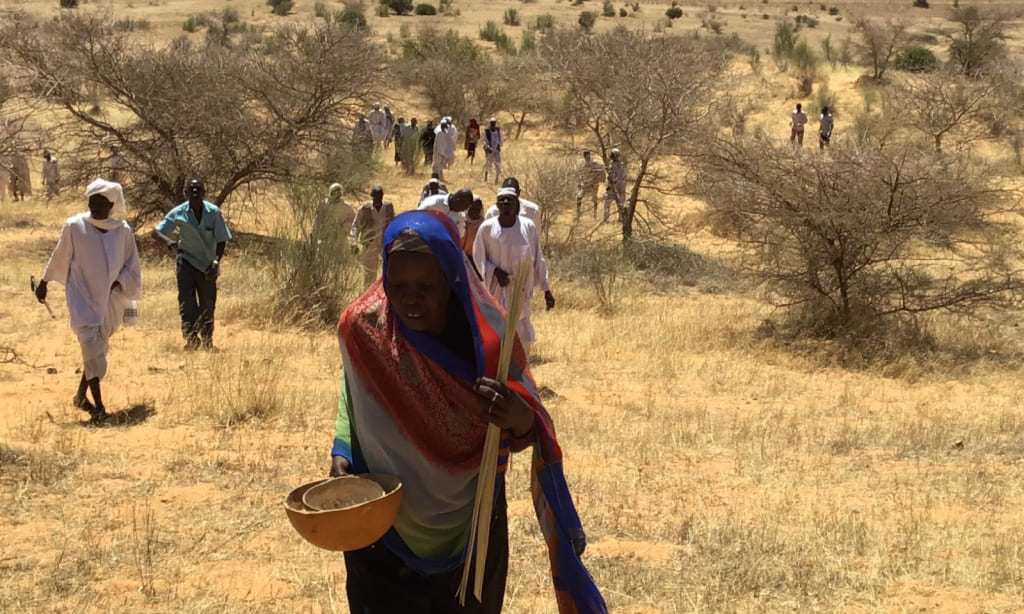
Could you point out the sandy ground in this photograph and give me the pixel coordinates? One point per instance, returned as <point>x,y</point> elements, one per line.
<point>713,471</point>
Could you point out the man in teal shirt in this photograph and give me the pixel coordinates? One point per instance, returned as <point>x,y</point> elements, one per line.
<point>202,235</point>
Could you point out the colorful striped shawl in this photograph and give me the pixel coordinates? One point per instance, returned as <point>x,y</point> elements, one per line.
<point>383,355</point>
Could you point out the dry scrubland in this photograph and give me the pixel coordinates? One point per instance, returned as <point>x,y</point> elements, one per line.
<point>714,472</point>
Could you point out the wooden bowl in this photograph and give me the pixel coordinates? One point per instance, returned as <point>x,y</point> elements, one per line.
<point>362,516</point>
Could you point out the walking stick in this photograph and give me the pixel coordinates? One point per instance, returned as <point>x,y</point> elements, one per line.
<point>32,281</point>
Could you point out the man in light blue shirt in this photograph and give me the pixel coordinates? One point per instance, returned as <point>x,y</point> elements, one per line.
<point>202,235</point>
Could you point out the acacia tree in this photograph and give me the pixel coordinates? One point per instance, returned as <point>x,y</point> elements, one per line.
<point>941,106</point>
<point>236,115</point>
<point>977,44</point>
<point>651,97</point>
<point>866,233</point>
<point>879,44</point>
<point>446,68</point>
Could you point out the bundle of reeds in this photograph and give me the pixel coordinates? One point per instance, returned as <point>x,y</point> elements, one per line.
<point>480,526</point>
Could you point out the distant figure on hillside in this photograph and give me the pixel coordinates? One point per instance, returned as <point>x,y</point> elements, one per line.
<point>797,122</point>
<point>97,262</point>
<point>362,134</point>
<point>410,144</point>
<point>202,237</point>
<point>389,125</point>
<point>453,142</point>
<point>396,136</point>
<point>368,231</point>
<point>615,190</point>
<point>427,142</point>
<point>589,177</point>
<point>492,149</point>
<point>827,122</point>
<point>118,165</point>
<point>378,125</point>
<point>51,175</point>
<point>472,137</point>
<point>21,180</point>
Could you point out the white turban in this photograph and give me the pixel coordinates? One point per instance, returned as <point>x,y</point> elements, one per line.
<point>507,192</point>
<point>111,191</point>
<point>334,187</point>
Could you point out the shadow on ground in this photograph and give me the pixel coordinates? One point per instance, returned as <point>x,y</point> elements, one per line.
<point>136,414</point>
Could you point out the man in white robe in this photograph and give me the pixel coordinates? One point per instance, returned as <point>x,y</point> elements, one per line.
<point>527,208</point>
<point>378,125</point>
<point>501,242</point>
<point>492,149</point>
<point>452,205</point>
<point>444,148</point>
<point>97,262</point>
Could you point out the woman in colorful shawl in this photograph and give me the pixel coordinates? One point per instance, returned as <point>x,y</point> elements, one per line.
<point>420,351</point>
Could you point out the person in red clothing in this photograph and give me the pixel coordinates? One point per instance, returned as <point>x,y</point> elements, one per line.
<point>797,123</point>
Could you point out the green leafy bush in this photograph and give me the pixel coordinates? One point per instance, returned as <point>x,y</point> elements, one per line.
<point>425,9</point>
<point>917,59</point>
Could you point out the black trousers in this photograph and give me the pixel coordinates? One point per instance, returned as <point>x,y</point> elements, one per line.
<point>197,299</point>
<point>380,583</point>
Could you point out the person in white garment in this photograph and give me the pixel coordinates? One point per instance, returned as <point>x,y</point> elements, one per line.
<point>528,209</point>
<point>97,262</point>
<point>51,175</point>
<point>444,148</point>
<point>378,125</point>
<point>492,149</point>
<point>368,232</point>
<point>452,205</point>
<point>501,242</point>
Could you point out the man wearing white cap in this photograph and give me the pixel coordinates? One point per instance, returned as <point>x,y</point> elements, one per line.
<point>492,149</point>
<point>501,242</point>
<point>615,189</point>
<point>527,208</point>
<point>97,261</point>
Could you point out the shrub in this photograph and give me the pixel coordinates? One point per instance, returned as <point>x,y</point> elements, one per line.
<point>833,11</point>
<point>529,42</point>
<point>491,32</point>
<point>608,9</point>
<point>69,4</point>
<point>319,9</point>
<point>194,22</point>
<point>131,25</point>
<point>315,271</point>
<point>229,16</point>
<point>353,16</point>
<point>280,7</point>
<point>400,7</point>
<point>917,59</point>
<point>850,238</point>
<point>511,17</point>
<point>425,9</point>
<point>587,19</point>
<point>921,4</point>
<point>674,12</point>
<point>545,22</point>
<point>383,10</point>
<point>505,44</point>
<point>623,12</point>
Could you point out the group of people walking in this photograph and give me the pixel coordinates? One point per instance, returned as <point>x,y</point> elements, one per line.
<point>438,143</point>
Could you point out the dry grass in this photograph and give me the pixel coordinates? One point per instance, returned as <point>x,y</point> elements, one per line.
<point>714,472</point>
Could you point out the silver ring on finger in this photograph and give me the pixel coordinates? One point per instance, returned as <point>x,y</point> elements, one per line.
<point>494,397</point>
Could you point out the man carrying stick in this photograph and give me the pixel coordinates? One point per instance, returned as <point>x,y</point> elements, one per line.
<point>97,261</point>
<point>501,242</point>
